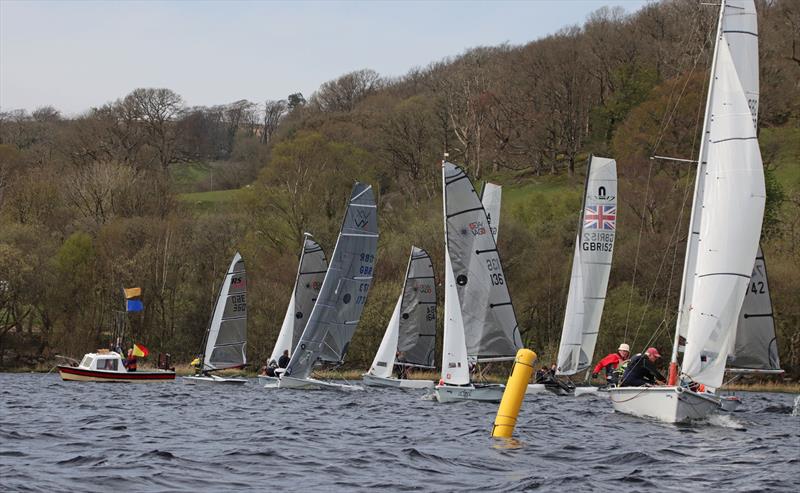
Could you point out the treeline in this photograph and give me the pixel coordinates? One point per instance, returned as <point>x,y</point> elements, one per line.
<point>91,204</point>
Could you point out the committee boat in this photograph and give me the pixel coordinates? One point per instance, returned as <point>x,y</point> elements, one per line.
<point>479,321</point>
<point>591,267</point>
<point>225,343</point>
<point>724,229</point>
<point>341,299</point>
<point>311,271</point>
<point>108,366</point>
<point>410,336</point>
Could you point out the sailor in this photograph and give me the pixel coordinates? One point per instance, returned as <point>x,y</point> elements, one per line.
<point>402,370</point>
<point>283,361</point>
<point>611,362</point>
<point>543,375</point>
<point>641,370</point>
<point>130,363</point>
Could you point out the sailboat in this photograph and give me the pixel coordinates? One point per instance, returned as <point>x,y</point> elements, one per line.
<point>724,229</point>
<point>310,273</point>
<point>591,266</point>
<point>341,299</point>
<point>479,320</point>
<point>412,328</point>
<point>225,344</point>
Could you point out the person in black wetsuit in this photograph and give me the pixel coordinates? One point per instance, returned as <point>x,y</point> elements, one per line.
<point>283,361</point>
<point>543,375</point>
<point>641,370</point>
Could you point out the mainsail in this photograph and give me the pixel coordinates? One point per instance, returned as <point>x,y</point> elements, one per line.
<point>341,299</point>
<point>730,213</point>
<point>591,267</point>
<point>756,347</point>
<point>412,327</point>
<point>489,323</point>
<point>491,196</point>
<point>310,273</point>
<point>226,339</point>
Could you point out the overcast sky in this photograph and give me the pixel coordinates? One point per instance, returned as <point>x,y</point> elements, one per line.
<point>78,54</point>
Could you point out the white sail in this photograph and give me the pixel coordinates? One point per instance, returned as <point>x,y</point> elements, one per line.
<point>226,340</point>
<point>491,196</point>
<point>731,213</point>
<point>455,367</point>
<point>756,347</point>
<point>591,267</point>
<point>383,363</point>
<point>310,273</point>
<point>738,31</point>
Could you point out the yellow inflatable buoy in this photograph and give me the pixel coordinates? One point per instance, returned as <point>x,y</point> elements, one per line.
<point>514,394</point>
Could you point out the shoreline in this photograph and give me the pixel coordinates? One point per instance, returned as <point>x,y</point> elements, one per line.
<point>183,370</point>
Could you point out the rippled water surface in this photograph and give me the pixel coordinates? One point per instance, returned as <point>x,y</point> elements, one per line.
<point>71,436</point>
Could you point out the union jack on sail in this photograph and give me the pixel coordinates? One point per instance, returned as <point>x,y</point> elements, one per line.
<point>600,217</point>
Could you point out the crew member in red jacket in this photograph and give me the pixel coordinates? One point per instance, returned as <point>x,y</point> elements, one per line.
<point>611,362</point>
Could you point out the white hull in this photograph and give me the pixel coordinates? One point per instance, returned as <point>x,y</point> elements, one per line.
<point>264,379</point>
<point>585,390</point>
<point>668,404</point>
<point>213,380</point>
<point>310,384</point>
<point>729,403</point>
<point>536,388</point>
<point>374,381</point>
<point>485,393</point>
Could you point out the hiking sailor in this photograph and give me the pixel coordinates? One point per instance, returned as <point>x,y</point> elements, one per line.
<point>641,370</point>
<point>611,362</point>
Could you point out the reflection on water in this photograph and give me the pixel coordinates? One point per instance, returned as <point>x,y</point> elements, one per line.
<point>58,436</point>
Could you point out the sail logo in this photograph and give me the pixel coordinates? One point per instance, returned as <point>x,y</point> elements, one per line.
<point>237,282</point>
<point>600,217</point>
<point>477,228</point>
<point>603,195</point>
<point>361,218</point>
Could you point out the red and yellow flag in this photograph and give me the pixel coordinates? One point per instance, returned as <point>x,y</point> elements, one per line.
<point>140,351</point>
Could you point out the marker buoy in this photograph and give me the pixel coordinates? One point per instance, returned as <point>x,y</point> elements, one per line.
<point>514,394</point>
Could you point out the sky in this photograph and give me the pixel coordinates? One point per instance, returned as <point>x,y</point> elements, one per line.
<point>75,55</point>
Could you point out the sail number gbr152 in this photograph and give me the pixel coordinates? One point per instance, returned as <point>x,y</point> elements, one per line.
<point>495,272</point>
<point>597,242</point>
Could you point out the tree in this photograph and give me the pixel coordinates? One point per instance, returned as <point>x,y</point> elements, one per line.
<point>342,94</point>
<point>273,112</point>
<point>296,100</point>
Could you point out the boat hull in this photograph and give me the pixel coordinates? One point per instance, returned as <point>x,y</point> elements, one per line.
<point>729,403</point>
<point>213,380</point>
<point>667,404</point>
<point>483,393</point>
<point>374,381</point>
<point>76,374</point>
<point>311,384</point>
<point>264,379</point>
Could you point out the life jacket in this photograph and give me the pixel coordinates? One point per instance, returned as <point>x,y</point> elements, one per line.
<point>131,363</point>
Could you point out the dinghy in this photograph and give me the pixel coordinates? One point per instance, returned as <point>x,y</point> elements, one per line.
<point>225,343</point>
<point>341,300</point>
<point>724,229</point>
<point>591,266</point>
<point>479,320</point>
<point>310,272</point>
<point>108,366</point>
<point>412,328</point>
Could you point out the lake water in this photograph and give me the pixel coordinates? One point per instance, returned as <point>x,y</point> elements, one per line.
<point>70,436</point>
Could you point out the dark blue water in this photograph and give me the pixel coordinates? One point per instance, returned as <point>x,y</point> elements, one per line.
<point>60,436</point>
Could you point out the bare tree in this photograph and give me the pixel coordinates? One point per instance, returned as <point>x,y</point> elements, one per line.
<point>344,93</point>
<point>273,111</point>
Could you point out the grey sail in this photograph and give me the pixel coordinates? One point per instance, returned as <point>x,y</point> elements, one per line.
<point>310,273</point>
<point>490,325</point>
<point>226,340</point>
<point>417,335</point>
<point>756,347</point>
<point>341,299</point>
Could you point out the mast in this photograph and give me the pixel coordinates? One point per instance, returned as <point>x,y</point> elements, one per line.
<point>692,242</point>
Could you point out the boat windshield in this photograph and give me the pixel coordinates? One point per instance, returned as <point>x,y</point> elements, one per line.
<point>87,362</point>
<point>107,364</point>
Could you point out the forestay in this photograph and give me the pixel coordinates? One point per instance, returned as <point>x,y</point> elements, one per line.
<point>731,212</point>
<point>310,273</point>
<point>336,313</point>
<point>490,325</point>
<point>412,327</point>
<point>226,339</point>
<point>756,347</point>
<point>591,266</point>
